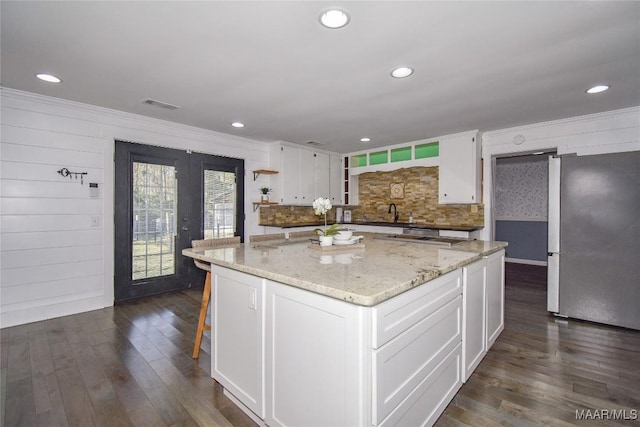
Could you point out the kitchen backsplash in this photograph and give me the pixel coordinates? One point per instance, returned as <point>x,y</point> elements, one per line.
<point>420,199</point>
<point>288,214</point>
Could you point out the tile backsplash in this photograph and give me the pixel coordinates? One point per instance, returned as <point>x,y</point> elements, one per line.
<point>420,199</point>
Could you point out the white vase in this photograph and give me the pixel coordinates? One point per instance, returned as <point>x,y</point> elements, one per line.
<point>265,198</point>
<point>326,240</point>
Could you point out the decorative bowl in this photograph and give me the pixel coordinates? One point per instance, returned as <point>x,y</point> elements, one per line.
<point>343,235</point>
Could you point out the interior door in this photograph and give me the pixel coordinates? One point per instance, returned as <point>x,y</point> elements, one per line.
<point>160,207</point>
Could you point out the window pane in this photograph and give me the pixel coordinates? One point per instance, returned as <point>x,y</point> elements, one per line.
<point>219,204</point>
<point>154,207</point>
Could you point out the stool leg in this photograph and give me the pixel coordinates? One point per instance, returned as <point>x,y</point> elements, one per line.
<point>206,294</point>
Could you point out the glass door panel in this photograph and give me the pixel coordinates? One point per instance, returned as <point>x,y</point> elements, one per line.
<point>219,209</point>
<point>154,220</point>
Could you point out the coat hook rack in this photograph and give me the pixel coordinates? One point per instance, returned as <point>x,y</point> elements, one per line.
<point>67,173</point>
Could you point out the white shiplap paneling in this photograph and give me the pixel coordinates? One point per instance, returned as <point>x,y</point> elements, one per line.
<point>46,256</point>
<point>54,260</point>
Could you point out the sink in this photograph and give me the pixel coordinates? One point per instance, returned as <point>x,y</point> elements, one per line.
<point>432,240</point>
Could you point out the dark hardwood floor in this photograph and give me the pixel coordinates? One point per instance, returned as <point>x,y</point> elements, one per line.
<point>543,369</point>
<point>131,365</point>
<point>128,365</point>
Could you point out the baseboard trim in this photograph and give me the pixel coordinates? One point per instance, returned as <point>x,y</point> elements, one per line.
<point>526,261</point>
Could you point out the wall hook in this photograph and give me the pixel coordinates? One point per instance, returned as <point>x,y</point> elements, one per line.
<point>67,173</point>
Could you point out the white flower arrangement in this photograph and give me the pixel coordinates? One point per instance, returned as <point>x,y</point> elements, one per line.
<point>321,206</point>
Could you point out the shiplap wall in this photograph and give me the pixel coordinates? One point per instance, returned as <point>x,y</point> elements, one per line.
<point>53,260</point>
<point>607,132</point>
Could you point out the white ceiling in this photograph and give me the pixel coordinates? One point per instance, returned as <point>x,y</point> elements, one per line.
<point>478,65</point>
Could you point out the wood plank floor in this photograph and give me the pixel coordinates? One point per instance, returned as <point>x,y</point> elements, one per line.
<point>542,369</point>
<point>131,365</point>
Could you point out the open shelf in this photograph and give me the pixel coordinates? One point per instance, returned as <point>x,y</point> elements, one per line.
<point>258,172</point>
<point>256,205</point>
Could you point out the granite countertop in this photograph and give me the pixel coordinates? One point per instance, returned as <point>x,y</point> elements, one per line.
<point>363,276</point>
<point>383,224</point>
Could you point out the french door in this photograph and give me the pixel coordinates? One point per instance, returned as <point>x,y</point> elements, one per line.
<point>165,198</point>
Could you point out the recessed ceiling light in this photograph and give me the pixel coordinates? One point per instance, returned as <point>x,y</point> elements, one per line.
<point>597,89</point>
<point>365,139</point>
<point>334,18</point>
<point>48,78</point>
<point>237,125</point>
<point>402,72</point>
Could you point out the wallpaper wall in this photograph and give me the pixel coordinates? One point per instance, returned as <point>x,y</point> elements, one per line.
<point>521,189</point>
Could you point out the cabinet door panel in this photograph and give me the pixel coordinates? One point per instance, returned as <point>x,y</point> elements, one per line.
<point>290,175</point>
<point>237,326</point>
<point>321,176</point>
<point>307,177</point>
<point>335,179</point>
<point>495,297</point>
<point>313,362</point>
<point>474,320</point>
<point>400,365</point>
<point>429,400</point>
<point>398,314</point>
<point>459,169</point>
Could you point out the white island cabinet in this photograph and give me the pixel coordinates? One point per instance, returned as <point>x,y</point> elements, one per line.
<point>483,308</point>
<point>237,343</point>
<point>378,336</point>
<point>330,362</point>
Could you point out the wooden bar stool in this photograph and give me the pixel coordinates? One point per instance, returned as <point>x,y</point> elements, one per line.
<point>206,292</point>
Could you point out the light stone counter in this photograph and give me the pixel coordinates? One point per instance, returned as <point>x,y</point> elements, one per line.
<point>365,276</point>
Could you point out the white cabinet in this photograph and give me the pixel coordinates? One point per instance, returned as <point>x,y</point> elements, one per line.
<point>335,179</point>
<point>459,168</point>
<point>286,160</point>
<point>304,175</point>
<point>237,340</point>
<point>483,309</point>
<point>314,360</point>
<point>417,341</point>
<point>291,357</point>
<point>322,172</point>
<point>495,297</point>
<point>474,317</point>
<point>329,362</point>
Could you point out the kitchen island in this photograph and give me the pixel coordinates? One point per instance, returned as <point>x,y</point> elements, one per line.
<point>380,335</point>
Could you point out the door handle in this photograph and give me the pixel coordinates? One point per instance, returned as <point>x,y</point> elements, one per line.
<point>185,228</point>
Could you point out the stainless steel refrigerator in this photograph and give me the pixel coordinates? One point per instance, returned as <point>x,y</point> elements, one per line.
<point>594,238</point>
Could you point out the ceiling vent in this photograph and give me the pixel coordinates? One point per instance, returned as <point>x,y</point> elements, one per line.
<point>160,104</point>
<point>314,143</point>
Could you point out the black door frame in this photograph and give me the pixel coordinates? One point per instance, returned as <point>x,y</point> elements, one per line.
<point>189,223</point>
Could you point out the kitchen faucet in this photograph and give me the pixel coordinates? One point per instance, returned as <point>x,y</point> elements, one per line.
<point>395,212</point>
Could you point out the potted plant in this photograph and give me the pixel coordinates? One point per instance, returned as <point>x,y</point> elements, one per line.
<point>265,194</point>
<point>321,207</point>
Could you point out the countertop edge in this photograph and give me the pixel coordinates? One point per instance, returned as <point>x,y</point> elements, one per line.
<point>423,277</point>
<point>380,224</point>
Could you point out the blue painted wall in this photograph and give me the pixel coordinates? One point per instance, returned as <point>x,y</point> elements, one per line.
<point>527,239</point>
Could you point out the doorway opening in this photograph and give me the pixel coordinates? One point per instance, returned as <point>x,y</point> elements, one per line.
<point>520,205</point>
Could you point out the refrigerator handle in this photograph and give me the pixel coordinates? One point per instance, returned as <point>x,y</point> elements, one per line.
<point>553,282</point>
<point>553,216</point>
